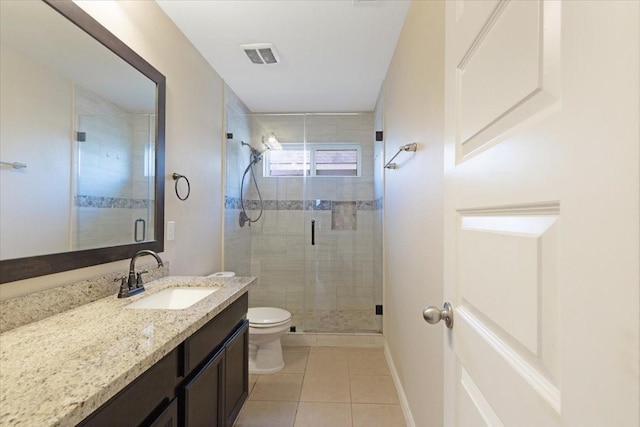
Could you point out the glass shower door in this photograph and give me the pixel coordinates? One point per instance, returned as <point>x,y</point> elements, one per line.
<point>342,281</point>
<point>275,241</point>
<point>315,246</point>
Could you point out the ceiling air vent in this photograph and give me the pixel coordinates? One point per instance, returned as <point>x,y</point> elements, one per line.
<point>261,53</point>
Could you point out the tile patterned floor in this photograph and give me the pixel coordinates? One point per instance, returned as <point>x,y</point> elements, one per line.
<point>324,386</point>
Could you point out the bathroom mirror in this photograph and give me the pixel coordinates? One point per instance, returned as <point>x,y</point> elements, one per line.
<point>82,141</point>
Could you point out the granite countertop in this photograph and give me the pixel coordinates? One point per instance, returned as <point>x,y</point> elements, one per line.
<point>58,370</point>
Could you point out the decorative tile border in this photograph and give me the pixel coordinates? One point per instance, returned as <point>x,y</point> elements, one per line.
<point>298,205</point>
<point>82,201</point>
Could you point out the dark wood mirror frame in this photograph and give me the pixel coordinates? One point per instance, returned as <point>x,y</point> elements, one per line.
<point>23,268</point>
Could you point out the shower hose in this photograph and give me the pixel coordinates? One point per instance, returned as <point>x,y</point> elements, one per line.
<point>244,217</point>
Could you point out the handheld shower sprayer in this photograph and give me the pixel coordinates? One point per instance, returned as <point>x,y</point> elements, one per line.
<point>268,143</point>
<point>256,155</point>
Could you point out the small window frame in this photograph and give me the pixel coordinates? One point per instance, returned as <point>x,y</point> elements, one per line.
<point>312,148</point>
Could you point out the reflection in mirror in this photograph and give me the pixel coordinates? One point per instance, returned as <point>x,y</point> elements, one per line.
<point>89,125</point>
<point>113,179</point>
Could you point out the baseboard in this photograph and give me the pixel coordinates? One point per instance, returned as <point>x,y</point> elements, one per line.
<point>404,404</point>
<point>310,339</point>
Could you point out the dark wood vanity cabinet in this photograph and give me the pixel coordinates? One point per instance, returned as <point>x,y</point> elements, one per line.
<point>215,393</point>
<point>202,382</point>
<point>217,375</point>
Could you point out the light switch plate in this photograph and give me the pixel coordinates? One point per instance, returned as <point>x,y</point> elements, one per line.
<point>171,230</point>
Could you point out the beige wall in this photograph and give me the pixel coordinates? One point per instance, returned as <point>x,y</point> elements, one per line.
<point>193,142</point>
<point>413,112</point>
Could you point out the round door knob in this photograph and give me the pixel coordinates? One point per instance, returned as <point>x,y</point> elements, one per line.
<point>433,315</point>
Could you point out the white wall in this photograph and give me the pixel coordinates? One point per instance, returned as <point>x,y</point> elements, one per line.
<point>193,142</point>
<point>413,208</point>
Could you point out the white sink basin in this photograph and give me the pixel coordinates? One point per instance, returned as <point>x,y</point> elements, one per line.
<point>173,298</point>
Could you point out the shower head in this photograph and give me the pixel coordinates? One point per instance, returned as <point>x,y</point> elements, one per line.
<point>271,142</point>
<point>256,155</point>
<point>260,151</point>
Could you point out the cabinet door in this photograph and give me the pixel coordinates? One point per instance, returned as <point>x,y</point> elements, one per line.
<point>203,395</point>
<point>236,372</point>
<point>168,417</point>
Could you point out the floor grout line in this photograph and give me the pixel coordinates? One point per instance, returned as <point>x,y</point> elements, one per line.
<point>339,354</point>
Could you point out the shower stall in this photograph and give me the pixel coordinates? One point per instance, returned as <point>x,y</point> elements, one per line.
<point>316,244</point>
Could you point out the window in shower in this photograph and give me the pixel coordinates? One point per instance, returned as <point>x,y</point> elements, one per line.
<point>292,160</point>
<point>318,159</point>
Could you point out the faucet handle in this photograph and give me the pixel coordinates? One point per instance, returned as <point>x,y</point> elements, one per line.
<point>139,278</point>
<point>124,287</point>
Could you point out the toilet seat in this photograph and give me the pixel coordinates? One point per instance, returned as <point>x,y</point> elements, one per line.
<point>267,317</point>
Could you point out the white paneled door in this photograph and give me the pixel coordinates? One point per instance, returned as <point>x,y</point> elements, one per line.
<point>542,213</point>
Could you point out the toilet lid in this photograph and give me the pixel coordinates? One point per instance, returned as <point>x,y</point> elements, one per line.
<point>267,316</point>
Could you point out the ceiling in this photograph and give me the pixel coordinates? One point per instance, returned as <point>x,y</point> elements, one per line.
<point>333,54</point>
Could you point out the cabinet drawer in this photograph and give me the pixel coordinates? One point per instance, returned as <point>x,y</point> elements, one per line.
<point>212,336</point>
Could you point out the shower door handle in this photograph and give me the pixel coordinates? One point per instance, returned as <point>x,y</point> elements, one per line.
<point>313,232</point>
<point>136,228</point>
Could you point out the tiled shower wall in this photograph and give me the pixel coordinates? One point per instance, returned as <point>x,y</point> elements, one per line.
<point>334,285</point>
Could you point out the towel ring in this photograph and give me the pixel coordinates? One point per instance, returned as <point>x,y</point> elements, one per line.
<point>177,177</point>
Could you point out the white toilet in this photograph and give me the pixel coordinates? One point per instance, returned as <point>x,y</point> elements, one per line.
<point>266,326</point>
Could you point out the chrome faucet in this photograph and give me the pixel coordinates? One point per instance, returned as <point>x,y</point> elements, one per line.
<point>133,285</point>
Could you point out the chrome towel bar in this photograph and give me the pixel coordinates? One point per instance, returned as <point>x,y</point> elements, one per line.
<point>407,147</point>
<point>15,165</point>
